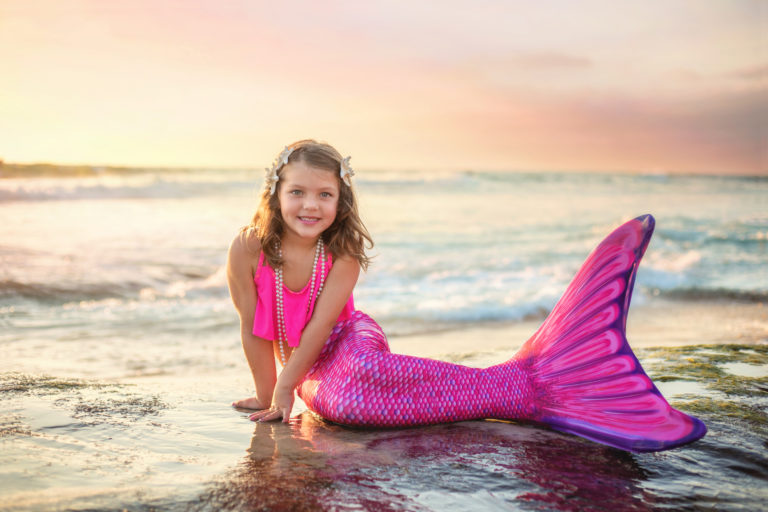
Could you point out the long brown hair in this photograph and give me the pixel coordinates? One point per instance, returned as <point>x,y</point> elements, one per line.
<point>346,236</point>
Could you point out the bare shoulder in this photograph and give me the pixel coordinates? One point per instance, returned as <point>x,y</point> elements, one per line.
<point>242,261</point>
<point>345,261</point>
<point>346,266</point>
<point>244,250</point>
<point>245,242</point>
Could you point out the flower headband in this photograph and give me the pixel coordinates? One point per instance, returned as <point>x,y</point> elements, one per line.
<point>345,171</point>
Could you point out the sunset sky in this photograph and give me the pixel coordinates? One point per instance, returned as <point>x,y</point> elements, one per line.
<point>648,86</point>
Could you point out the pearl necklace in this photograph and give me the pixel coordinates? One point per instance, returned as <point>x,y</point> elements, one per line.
<point>282,335</point>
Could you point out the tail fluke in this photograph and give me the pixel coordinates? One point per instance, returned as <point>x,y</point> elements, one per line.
<point>588,380</point>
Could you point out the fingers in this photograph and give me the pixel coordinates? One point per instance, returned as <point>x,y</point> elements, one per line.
<point>270,415</point>
<point>265,415</point>
<point>280,409</point>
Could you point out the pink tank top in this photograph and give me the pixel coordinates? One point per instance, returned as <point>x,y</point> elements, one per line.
<point>297,314</point>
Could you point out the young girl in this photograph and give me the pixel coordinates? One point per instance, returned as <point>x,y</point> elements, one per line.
<point>292,271</point>
<point>291,275</point>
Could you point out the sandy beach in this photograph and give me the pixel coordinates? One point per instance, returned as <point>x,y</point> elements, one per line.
<point>173,443</point>
<point>656,323</point>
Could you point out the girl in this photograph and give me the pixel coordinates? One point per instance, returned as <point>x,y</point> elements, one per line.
<point>279,265</point>
<point>291,275</point>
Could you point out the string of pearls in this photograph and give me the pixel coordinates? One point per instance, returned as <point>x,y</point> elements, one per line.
<point>282,335</point>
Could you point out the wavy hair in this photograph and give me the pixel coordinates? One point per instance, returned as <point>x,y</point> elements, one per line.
<point>346,236</point>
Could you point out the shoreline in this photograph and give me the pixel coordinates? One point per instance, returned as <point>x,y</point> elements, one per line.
<point>173,442</point>
<point>651,323</point>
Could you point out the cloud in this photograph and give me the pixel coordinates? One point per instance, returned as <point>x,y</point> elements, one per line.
<point>723,132</point>
<point>751,74</point>
<point>549,60</point>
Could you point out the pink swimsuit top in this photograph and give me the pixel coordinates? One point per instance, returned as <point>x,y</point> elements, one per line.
<point>297,314</point>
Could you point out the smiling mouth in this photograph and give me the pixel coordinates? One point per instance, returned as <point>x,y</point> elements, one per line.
<point>309,219</point>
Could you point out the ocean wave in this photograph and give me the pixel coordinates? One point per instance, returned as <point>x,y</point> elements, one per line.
<point>714,294</point>
<point>50,182</point>
<point>629,182</point>
<point>46,292</point>
<point>157,189</point>
<point>44,170</point>
<point>62,292</point>
<point>144,185</point>
<point>675,263</point>
<point>214,285</point>
<point>404,323</point>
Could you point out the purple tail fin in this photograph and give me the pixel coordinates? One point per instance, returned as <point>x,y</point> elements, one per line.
<point>589,381</point>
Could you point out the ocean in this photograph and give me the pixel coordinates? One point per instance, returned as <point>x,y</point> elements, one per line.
<point>120,349</point>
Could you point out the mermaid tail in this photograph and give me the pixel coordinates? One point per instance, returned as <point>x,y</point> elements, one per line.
<point>357,381</point>
<point>593,385</point>
<point>576,374</point>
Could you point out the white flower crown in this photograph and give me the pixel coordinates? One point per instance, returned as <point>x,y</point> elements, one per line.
<point>271,179</point>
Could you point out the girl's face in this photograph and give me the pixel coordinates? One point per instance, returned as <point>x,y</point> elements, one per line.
<point>309,197</point>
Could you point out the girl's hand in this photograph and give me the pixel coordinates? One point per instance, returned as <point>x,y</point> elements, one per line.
<point>282,403</point>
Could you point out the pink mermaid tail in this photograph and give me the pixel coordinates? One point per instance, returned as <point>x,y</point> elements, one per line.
<point>576,374</point>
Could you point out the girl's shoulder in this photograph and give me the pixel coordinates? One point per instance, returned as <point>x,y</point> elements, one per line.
<point>344,259</point>
<point>346,264</point>
<point>245,246</point>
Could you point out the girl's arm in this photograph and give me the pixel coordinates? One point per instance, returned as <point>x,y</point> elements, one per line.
<point>336,292</point>
<point>241,265</point>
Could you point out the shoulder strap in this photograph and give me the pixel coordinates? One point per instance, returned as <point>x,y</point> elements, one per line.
<point>259,265</point>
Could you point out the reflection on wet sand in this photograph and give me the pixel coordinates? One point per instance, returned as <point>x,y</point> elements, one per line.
<point>310,464</point>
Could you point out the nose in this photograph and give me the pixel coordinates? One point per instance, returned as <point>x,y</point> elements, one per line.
<point>310,203</point>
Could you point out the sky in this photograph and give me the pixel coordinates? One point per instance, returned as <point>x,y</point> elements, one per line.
<point>569,85</point>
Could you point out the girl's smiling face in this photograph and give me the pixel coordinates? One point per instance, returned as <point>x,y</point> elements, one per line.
<point>309,197</point>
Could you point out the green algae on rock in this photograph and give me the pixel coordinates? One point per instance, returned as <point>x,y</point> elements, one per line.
<point>739,397</point>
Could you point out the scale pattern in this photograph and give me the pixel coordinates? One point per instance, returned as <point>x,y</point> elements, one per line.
<point>576,374</point>
<point>358,381</point>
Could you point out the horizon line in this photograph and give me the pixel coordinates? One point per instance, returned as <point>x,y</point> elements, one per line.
<point>95,168</point>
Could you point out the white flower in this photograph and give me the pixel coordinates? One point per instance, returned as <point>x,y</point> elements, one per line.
<point>272,178</point>
<point>345,171</point>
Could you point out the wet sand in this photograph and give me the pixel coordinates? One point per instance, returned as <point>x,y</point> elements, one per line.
<point>652,323</point>
<point>172,442</point>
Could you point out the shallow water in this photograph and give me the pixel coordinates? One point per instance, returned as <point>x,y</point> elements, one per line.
<point>172,444</point>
